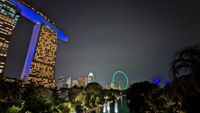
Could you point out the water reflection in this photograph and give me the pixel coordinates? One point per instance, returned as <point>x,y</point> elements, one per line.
<point>104,108</point>
<point>118,106</point>
<point>108,107</point>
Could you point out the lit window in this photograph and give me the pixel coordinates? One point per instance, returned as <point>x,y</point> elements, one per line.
<point>1,70</point>
<point>2,63</point>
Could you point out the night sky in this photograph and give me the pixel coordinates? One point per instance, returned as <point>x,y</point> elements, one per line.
<point>137,37</point>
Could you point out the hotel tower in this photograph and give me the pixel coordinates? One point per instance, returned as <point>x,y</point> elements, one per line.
<point>8,20</point>
<point>38,65</point>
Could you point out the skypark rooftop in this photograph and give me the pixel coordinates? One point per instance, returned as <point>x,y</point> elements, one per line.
<point>36,17</point>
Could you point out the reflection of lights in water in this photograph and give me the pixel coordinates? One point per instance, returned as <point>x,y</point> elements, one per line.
<point>121,100</point>
<point>108,106</point>
<point>104,108</point>
<point>116,107</point>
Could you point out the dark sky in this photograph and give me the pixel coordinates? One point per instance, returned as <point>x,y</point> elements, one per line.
<point>136,36</point>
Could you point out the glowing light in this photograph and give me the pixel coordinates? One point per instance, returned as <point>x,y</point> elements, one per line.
<point>156,80</point>
<point>116,107</point>
<point>91,75</point>
<point>108,107</point>
<point>36,18</point>
<point>117,73</point>
<point>104,108</point>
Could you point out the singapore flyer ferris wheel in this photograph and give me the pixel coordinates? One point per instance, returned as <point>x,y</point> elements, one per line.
<point>120,80</point>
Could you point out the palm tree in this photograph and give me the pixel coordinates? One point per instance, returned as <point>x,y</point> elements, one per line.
<point>187,86</point>
<point>186,60</point>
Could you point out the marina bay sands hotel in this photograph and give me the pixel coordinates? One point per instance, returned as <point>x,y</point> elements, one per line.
<point>39,63</point>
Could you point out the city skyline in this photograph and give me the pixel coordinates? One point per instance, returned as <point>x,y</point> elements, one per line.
<point>99,56</point>
<point>105,36</point>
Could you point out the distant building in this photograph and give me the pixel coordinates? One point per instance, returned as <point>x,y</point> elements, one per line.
<point>82,81</point>
<point>11,80</point>
<point>107,86</point>
<point>112,85</point>
<point>90,78</point>
<point>75,82</point>
<point>8,19</point>
<point>60,83</point>
<point>69,82</point>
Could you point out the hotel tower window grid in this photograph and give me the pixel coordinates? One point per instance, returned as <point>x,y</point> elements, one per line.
<point>43,65</point>
<point>8,19</point>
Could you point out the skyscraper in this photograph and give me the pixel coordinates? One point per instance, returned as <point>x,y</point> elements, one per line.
<point>8,19</point>
<point>39,64</point>
<point>61,81</point>
<point>69,82</point>
<point>40,61</point>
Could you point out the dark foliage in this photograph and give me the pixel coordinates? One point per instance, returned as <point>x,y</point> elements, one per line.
<point>136,95</point>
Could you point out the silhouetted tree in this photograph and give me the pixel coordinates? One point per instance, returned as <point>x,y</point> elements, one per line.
<point>136,94</point>
<point>37,99</point>
<point>9,94</point>
<point>186,71</point>
<point>95,94</point>
<point>94,87</point>
<point>186,60</point>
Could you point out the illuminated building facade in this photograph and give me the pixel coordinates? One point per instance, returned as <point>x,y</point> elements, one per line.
<point>61,81</point>
<point>75,82</point>
<point>40,62</point>
<point>82,81</point>
<point>69,82</point>
<point>8,20</point>
<point>90,78</point>
<point>112,85</point>
<point>64,83</point>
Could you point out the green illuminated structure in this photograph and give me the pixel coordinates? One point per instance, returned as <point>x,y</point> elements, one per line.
<point>118,73</point>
